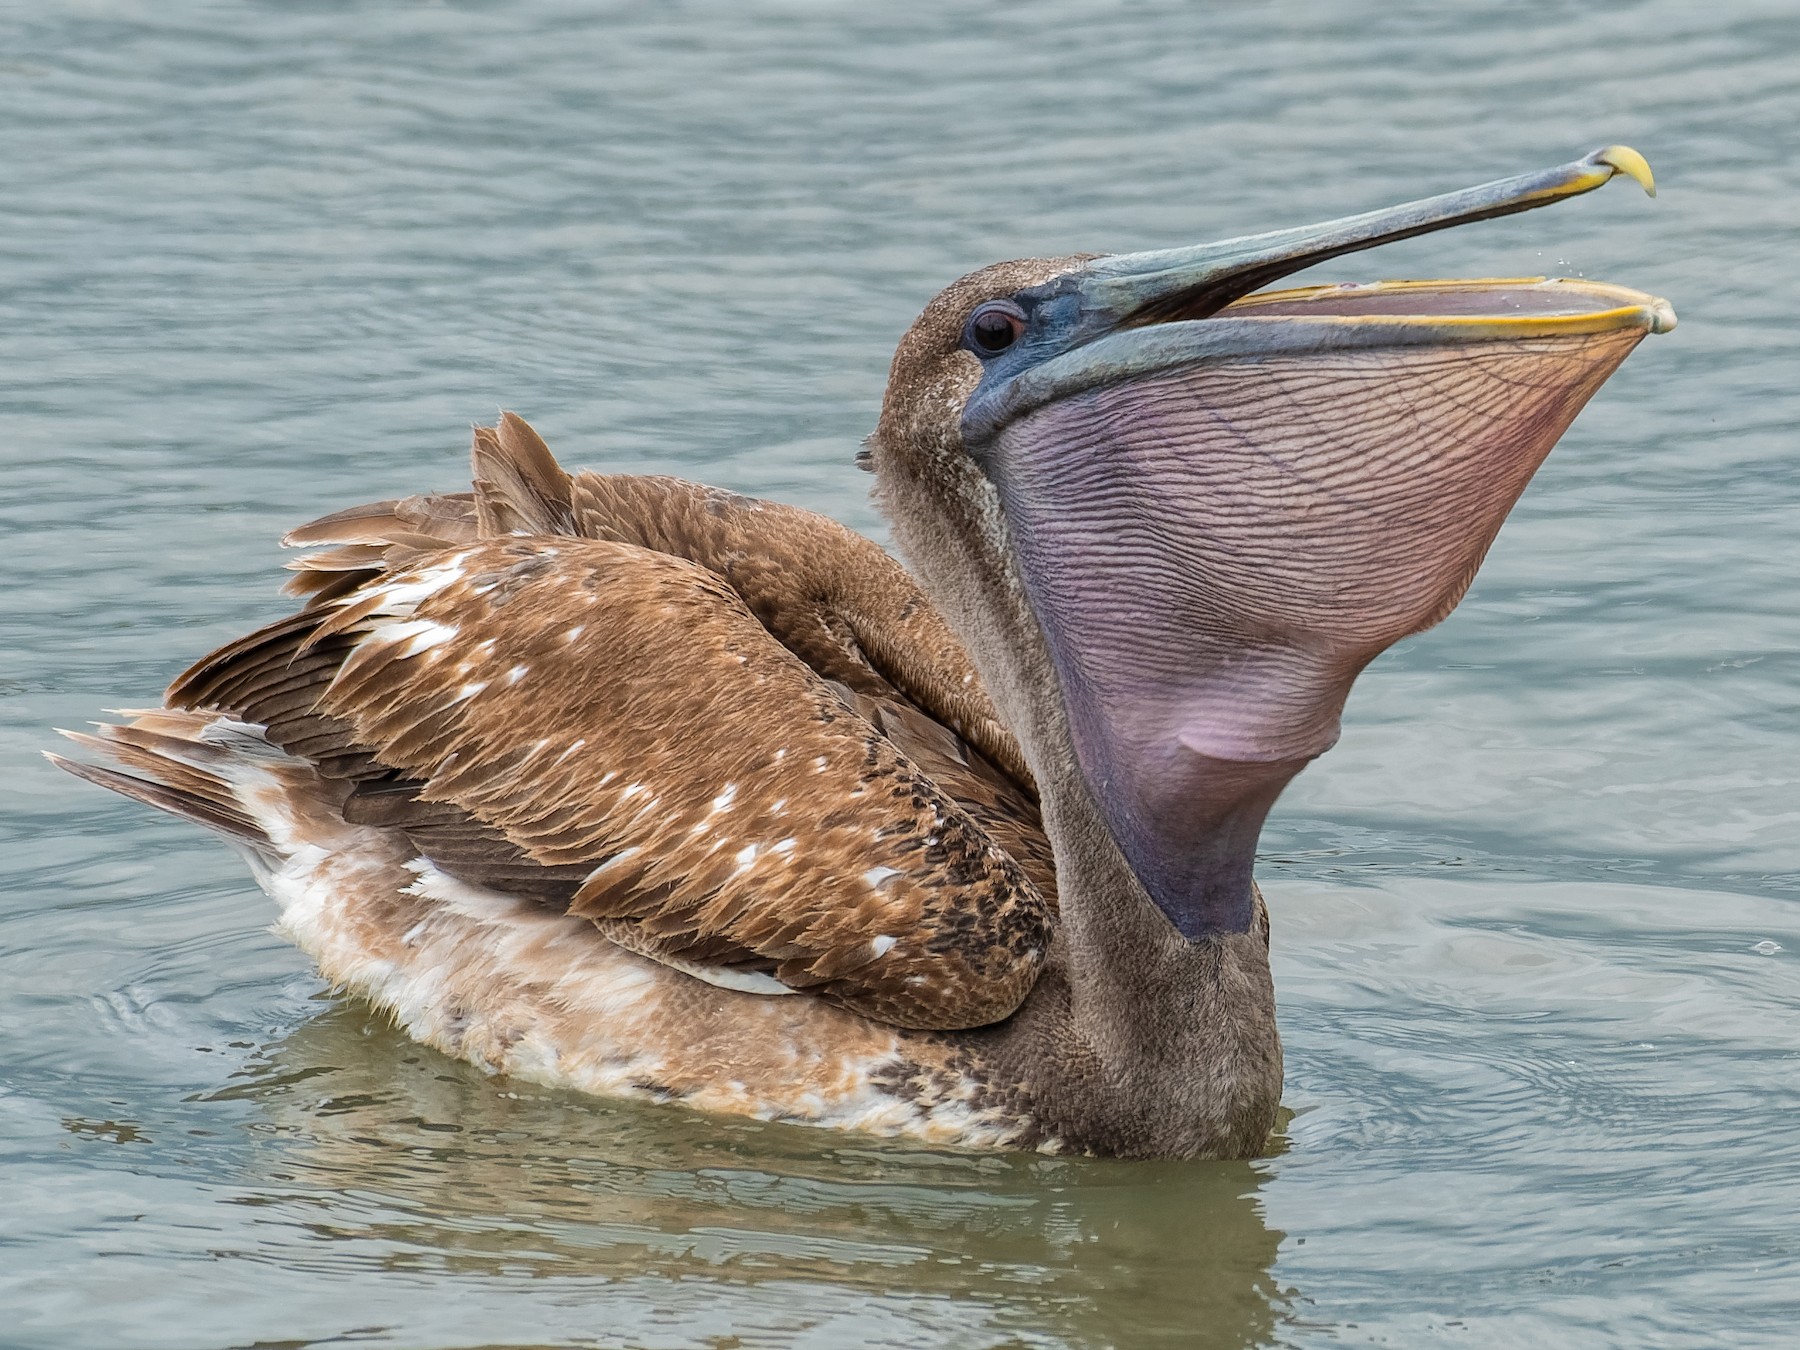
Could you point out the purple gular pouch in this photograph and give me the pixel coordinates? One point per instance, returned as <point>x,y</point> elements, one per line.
<point>1225,504</point>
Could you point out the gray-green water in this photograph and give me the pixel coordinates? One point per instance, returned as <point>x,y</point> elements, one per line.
<point>1536,920</point>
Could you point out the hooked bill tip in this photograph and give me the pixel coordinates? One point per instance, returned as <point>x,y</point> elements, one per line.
<point>1623,159</point>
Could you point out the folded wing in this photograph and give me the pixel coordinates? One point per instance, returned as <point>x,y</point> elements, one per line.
<point>732,734</point>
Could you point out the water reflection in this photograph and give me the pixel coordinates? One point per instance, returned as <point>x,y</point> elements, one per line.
<point>388,1153</point>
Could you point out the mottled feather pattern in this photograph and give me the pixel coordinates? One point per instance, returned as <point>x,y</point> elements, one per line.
<point>516,989</point>
<point>831,596</point>
<point>702,761</point>
<point>731,794</point>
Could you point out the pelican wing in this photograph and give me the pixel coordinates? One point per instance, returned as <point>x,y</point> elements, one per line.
<point>734,735</point>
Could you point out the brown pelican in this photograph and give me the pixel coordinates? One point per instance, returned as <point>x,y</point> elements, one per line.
<point>645,788</point>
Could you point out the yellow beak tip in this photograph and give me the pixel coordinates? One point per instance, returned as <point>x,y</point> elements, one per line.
<point>1623,159</point>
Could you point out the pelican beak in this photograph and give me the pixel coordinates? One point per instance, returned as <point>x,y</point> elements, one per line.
<point>1225,503</point>
<point>1124,314</point>
<point>1194,282</point>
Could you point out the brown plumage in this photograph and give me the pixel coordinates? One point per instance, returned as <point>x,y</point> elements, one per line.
<point>502,694</point>
<point>646,788</point>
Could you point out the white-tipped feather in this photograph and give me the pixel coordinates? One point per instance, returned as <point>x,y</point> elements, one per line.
<point>518,989</point>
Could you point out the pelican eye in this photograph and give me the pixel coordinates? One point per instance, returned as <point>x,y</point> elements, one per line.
<point>993,328</point>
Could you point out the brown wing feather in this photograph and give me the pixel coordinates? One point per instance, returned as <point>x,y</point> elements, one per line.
<point>381,535</point>
<point>620,714</point>
<point>1006,811</point>
<point>603,715</point>
<point>519,486</point>
<point>828,594</point>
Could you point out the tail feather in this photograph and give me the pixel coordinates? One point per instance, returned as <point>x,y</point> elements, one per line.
<point>201,809</point>
<point>196,765</point>
<point>142,756</point>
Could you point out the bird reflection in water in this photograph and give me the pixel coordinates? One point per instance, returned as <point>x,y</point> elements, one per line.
<point>388,1155</point>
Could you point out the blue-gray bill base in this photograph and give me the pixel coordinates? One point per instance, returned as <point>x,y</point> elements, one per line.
<point>647,789</point>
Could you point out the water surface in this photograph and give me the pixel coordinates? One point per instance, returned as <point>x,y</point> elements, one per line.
<point>1536,919</point>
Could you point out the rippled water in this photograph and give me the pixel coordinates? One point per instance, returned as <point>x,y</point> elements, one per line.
<point>1536,920</point>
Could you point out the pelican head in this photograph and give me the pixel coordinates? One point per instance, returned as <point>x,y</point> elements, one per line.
<point>1219,503</point>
